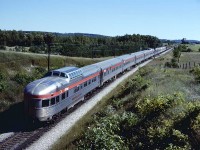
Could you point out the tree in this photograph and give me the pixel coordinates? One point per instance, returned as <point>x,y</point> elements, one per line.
<point>183,41</point>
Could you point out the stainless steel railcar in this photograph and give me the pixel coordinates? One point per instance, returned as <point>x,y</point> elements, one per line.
<point>62,88</point>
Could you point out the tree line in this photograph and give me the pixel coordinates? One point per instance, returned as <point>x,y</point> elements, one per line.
<point>78,45</point>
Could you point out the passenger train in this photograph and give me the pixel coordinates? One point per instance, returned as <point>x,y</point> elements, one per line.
<point>61,89</point>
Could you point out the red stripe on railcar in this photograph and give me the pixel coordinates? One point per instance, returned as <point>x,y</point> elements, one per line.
<point>63,90</point>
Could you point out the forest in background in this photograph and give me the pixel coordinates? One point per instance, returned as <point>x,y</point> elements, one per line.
<point>84,45</point>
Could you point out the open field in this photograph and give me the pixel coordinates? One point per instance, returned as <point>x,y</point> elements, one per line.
<point>41,59</point>
<point>158,107</point>
<point>190,57</point>
<point>194,47</point>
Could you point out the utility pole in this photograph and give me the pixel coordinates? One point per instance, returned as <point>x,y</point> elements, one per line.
<point>49,52</point>
<point>48,38</point>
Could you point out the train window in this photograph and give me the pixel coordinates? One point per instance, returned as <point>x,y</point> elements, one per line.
<point>48,74</point>
<point>63,75</point>
<point>57,99</point>
<point>85,84</point>
<point>63,96</point>
<point>36,103</point>
<point>89,81</point>
<point>56,73</point>
<point>76,89</point>
<point>45,103</point>
<point>95,79</point>
<point>67,93</point>
<point>53,101</point>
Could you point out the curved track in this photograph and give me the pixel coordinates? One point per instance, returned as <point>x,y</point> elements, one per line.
<point>21,140</point>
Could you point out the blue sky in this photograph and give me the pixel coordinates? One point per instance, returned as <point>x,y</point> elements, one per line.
<point>171,19</point>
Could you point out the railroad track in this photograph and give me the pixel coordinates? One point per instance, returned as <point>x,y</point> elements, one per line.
<point>21,140</point>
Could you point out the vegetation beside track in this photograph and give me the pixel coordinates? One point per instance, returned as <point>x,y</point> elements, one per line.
<point>157,108</point>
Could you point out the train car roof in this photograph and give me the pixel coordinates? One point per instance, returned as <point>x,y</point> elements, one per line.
<point>108,63</point>
<point>138,53</point>
<point>125,57</point>
<point>90,69</point>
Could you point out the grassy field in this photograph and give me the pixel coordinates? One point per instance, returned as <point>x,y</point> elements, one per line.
<point>156,108</point>
<point>190,57</point>
<point>194,47</point>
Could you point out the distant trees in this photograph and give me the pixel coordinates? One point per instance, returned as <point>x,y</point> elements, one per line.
<point>79,45</point>
<point>183,41</point>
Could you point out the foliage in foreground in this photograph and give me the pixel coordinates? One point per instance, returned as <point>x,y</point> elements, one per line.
<point>161,122</point>
<point>149,126</point>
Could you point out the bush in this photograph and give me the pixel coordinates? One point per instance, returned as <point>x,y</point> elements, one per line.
<point>154,105</point>
<point>3,83</point>
<point>3,86</point>
<point>172,64</point>
<point>106,134</point>
<point>39,72</point>
<point>145,71</point>
<point>196,72</point>
<point>189,50</point>
<point>22,78</point>
<point>2,47</point>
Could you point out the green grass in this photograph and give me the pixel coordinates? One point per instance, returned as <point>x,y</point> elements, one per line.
<point>190,57</point>
<point>41,59</point>
<point>194,47</point>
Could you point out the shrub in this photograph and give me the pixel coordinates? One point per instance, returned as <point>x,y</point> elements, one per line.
<point>3,86</point>
<point>106,134</point>
<point>189,50</point>
<point>3,83</point>
<point>172,64</point>
<point>22,78</point>
<point>168,64</point>
<point>145,71</point>
<point>39,72</point>
<point>196,72</point>
<point>2,47</point>
<point>160,103</point>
